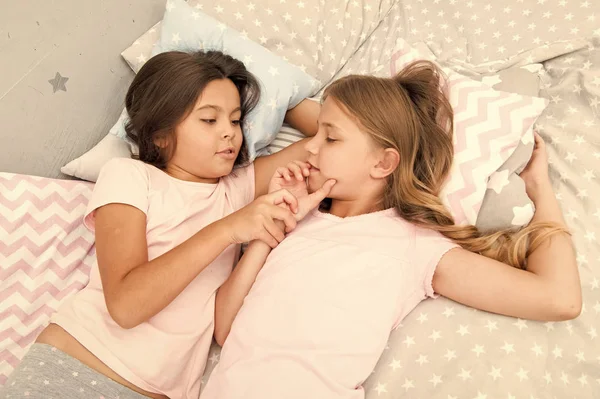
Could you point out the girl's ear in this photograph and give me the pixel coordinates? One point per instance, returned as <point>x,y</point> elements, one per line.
<point>388,161</point>
<point>161,141</point>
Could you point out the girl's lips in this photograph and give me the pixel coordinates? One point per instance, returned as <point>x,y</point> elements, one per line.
<point>228,153</point>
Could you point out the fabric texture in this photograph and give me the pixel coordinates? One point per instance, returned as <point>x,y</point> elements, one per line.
<point>317,36</point>
<point>175,210</point>
<point>493,36</point>
<point>46,255</point>
<point>321,309</point>
<point>46,372</point>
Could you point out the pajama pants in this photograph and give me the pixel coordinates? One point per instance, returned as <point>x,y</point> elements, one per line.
<point>46,372</point>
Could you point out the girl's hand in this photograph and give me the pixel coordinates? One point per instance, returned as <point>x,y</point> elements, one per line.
<point>293,179</point>
<point>535,173</point>
<point>257,220</point>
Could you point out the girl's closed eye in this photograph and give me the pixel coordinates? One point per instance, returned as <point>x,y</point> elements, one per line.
<point>236,122</point>
<point>209,121</point>
<point>330,140</point>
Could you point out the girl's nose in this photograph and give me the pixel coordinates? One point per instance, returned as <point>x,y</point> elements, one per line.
<point>312,145</point>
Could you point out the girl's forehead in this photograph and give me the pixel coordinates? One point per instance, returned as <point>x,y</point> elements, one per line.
<point>334,113</point>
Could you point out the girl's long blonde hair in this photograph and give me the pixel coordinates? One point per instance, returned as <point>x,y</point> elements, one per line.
<point>411,114</point>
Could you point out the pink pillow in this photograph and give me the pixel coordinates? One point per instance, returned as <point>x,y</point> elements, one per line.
<point>46,255</point>
<point>488,126</point>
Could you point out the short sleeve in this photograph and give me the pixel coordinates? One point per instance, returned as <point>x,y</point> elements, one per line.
<point>121,181</point>
<point>430,247</point>
<point>240,186</point>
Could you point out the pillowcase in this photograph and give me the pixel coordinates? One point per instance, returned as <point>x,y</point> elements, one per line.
<point>318,36</point>
<point>283,85</point>
<point>46,252</point>
<point>488,127</point>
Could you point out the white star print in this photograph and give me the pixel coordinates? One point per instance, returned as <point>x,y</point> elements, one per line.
<point>407,384</point>
<point>522,374</point>
<point>435,380</point>
<point>564,378</point>
<point>273,103</point>
<point>498,181</point>
<point>522,214</point>
<point>395,364</point>
<point>422,360</point>
<point>495,373</point>
<point>520,324</point>
<point>478,350</point>
<point>380,388</point>
<point>537,349</point>
<point>465,374</point>
<point>491,325</point>
<point>435,335</point>
<point>142,58</point>
<point>557,352</point>
<point>449,311</point>
<point>408,341</point>
<point>508,348</point>
<point>450,355</point>
<point>463,330</point>
<point>592,333</point>
<point>214,358</point>
<point>175,38</point>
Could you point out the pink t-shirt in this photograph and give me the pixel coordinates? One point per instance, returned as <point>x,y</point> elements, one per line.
<point>166,354</point>
<point>321,310</point>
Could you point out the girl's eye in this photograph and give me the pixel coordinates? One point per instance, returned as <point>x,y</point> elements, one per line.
<point>209,121</point>
<point>330,140</point>
<point>236,122</point>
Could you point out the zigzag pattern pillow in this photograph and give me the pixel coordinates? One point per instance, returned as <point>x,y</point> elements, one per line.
<point>488,126</point>
<point>46,255</point>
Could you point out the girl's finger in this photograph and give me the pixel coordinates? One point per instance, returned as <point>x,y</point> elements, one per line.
<point>273,230</point>
<point>284,173</point>
<point>321,193</point>
<point>297,172</point>
<point>284,196</point>
<point>268,239</point>
<point>286,217</point>
<point>305,166</point>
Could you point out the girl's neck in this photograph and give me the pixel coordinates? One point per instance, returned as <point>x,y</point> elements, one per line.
<point>343,209</point>
<point>182,174</point>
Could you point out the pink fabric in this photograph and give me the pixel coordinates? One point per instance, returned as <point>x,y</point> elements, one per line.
<point>319,315</point>
<point>168,353</point>
<point>488,126</point>
<point>45,256</point>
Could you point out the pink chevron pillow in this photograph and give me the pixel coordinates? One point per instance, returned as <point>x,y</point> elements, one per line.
<point>488,126</point>
<point>45,255</point>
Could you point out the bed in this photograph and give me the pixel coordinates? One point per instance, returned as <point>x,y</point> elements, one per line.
<point>62,87</point>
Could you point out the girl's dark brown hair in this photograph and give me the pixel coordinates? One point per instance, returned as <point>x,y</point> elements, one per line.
<point>411,113</point>
<point>165,90</point>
